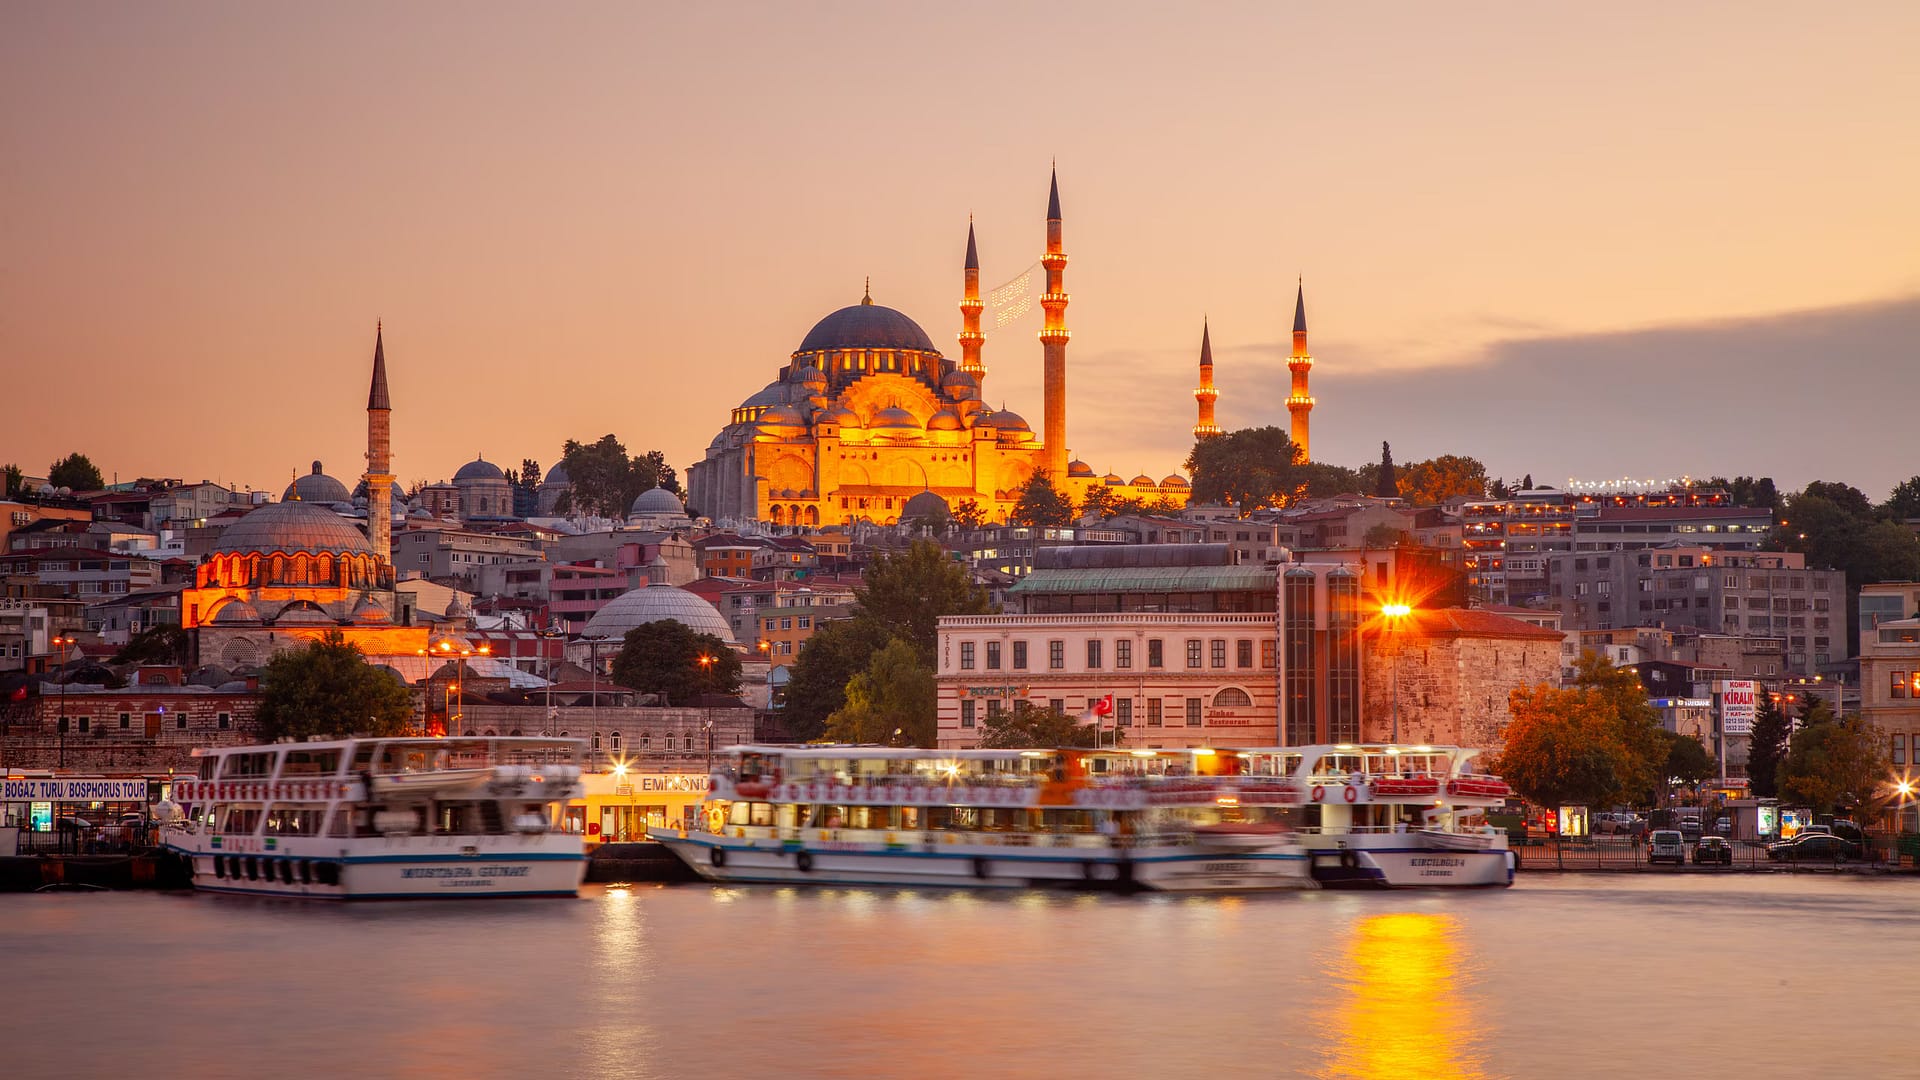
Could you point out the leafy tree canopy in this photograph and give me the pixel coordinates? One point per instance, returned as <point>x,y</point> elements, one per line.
<point>1434,481</point>
<point>1099,501</point>
<point>1904,502</point>
<point>1560,750</point>
<point>906,593</point>
<point>604,480</point>
<point>1688,762</point>
<point>163,644</point>
<point>668,658</point>
<point>1833,765</point>
<point>12,480</point>
<point>1250,469</point>
<point>817,683</point>
<point>76,472</point>
<point>1026,728</point>
<point>968,515</point>
<point>895,693</point>
<point>328,690</point>
<point>1041,504</point>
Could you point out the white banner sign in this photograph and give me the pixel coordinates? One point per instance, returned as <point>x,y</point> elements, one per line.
<point>1738,702</point>
<point>73,791</point>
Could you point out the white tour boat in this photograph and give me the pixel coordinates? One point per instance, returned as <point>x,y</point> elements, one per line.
<point>360,819</point>
<point>862,815</point>
<point>1389,815</point>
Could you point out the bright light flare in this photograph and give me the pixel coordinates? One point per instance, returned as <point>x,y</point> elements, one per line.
<point>1396,610</point>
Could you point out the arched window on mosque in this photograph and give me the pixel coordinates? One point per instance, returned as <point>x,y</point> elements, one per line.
<point>277,570</point>
<point>324,572</point>
<point>776,513</point>
<point>300,570</point>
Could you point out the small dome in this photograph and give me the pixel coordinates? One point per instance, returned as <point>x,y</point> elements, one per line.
<point>895,417</point>
<point>657,501</point>
<point>303,615</point>
<point>837,414</point>
<point>479,469</point>
<point>654,603</point>
<point>866,326</point>
<point>925,506</point>
<point>237,612</point>
<point>810,377</point>
<point>557,475</point>
<point>1175,481</point>
<point>960,386</point>
<point>1113,480</point>
<point>771,394</point>
<point>1005,420</point>
<point>292,527</point>
<point>782,416</point>
<point>366,611</point>
<point>1079,468</point>
<point>316,487</point>
<point>1144,480</point>
<point>945,420</point>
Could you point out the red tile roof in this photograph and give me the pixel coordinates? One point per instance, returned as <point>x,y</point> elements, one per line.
<point>1470,622</point>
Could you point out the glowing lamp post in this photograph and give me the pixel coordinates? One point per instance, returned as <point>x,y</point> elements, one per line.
<point>66,645</point>
<point>1396,614</point>
<point>706,668</point>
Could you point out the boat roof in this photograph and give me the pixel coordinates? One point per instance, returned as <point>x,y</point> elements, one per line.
<point>516,741</point>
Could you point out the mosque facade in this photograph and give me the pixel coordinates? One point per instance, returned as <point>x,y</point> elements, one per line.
<point>866,414</point>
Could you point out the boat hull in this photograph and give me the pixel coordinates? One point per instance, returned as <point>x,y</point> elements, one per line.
<point>1183,869</point>
<point>392,874</point>
<point>1408,867</point>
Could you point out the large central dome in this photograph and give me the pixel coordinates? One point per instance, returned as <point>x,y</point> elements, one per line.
<point>292,527</point>
<point>866,325</point>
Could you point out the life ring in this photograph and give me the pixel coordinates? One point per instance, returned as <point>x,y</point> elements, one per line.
<point>1353,794</point>
<point>802,860</point>
<point>980,868</point>
<point>717,856</point>
<point>1319,793</point>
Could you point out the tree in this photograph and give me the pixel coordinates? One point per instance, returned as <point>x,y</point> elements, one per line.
<point>1432,482</point>
<point>1099,501</point>
<point>906,593</point>
<point>530,472</point>
<point>328,690</point>
<point>1687,760</point>
<point>1041,504</point>
<point>1560,750</point>
<point>1249,469</point>
<point>1766,747</point>
<point>12,480</point>
<point>817,682</point>
<point>968,515</point>
<point>1386,481</point>
<point>163,644</point>
<point>1526,482</point>
<point>667,658</point>
<point>894,694</point>
<point>1325,479</point>
<point>1851,500</point>
<point>1026,728</point>
<point>1833,765</point>
<point>1633,721</point>
<point>76,473</point>
<point>605,481</point>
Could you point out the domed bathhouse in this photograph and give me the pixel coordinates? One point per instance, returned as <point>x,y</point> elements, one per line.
<point>658,510</point>
<point>655,603</point>
<point>485,494</point>
<point>866,413</point>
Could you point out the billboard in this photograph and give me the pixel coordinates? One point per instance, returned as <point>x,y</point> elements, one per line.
<point>1738,699</point>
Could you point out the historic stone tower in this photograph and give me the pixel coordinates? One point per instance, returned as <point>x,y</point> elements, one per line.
<point>380,455</point>
<point>970,336</point>
<point>1300,403</point>
<point>1053,337</point>
<point>1205,394</point>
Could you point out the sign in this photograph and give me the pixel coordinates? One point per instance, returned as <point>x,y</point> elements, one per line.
<point>73,790</point>
<point>992,691</point>
<point>682,782</point>
<point>1738,699</point>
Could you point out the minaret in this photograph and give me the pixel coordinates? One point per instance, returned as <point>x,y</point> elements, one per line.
<point>1205,393</point>
<point>970,306</point>
<point>1053,339</point>
<point>1300,403</point>
<point>380,456</point>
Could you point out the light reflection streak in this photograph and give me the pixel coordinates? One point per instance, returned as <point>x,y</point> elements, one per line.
<point>1408,1010</point>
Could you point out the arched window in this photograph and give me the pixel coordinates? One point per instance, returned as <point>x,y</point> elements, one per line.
<point>596,740</point>
<point>616,740</point>
<point>1232,698</point>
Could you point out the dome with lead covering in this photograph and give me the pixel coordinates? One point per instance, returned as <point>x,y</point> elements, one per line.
<point>656,603</point>
<point>866,326</point>
<point>293,527</point>
<point>657,501</point>
<point>316,487</point>
<point>479,469</point>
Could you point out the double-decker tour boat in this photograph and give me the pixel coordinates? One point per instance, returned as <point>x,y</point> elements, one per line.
<point>1388,815</point>
<point>863,815</point>
<point>360,819</point>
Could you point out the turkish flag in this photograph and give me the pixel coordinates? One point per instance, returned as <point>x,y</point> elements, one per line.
<point>1103,707</point>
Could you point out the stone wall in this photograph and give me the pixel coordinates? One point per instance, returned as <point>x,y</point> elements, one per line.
<point>1453,690</point>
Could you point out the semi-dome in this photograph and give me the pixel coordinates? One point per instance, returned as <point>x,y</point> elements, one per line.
<point>774,393</point>
<point>896,418</point>
<point>292,527</point>
<point>866,325</point>
<point>1143,480</point>
<point>479,469</point>
<point>236,613</point>
<point>656,603</point>
<point>1079,468</point>
<point>316,487</point>
<point>960,386</point>
<point>657,500</point>
<point>925,506</point>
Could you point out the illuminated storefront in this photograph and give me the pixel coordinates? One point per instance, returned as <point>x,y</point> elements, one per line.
<point>621,805</point>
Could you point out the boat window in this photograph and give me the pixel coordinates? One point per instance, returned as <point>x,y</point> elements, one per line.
<point>737,814</point>
<point>342,823</point>
<point>294,820</point>
<point>311,763</point>
<point>247,765</point>
<point>363,756</point>
<point>209,768</point>
<point>241,819</point>
<point>760,813</point>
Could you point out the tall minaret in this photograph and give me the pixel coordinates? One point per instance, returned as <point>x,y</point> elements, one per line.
<point>970,336</point>
<point>1300,403</point>
<point>1053,339</point>
<point>380,455</point>
<point>1205,393</point>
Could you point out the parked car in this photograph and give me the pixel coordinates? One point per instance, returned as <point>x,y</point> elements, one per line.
<point>1723,825</point>
<point>1713,849</point>
<point>1690,828</point>
<point>1667,845</point>
<point>1848,830</point>
<point>1814,847</point>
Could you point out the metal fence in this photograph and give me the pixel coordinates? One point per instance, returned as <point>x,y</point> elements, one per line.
<point>1626,853</point>
<point>67,839</point>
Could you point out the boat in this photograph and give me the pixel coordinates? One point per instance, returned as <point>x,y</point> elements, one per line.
<point>974,819</point>
<point>363,819</point>
<point>1388,815</point>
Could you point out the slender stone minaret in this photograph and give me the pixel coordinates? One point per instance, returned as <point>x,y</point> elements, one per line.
<point>1053,338</point>
<point>1300,403</point>
<point>1205,393</point>
<point>380,455</point>
<point>971,339</point>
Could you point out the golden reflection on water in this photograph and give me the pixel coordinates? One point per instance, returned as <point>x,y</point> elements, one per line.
<point>1407,1009</point>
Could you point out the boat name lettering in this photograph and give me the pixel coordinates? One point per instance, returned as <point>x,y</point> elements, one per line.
<point>1430,861</point>
<point>1224,868</point>
<point>463,871</point>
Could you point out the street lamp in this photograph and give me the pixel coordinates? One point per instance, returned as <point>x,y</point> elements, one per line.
<point>766,653</point>
<point>1396,613</point>
<point>66,648</point>
<point>1905,788</point>
<point>706,665</point>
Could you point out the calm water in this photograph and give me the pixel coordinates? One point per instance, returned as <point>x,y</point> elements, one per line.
<point>1567,976</point>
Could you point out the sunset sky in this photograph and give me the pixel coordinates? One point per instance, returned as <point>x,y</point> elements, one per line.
<point>1630,239</point>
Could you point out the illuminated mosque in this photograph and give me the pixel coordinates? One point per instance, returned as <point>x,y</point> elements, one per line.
<point>867,414</point>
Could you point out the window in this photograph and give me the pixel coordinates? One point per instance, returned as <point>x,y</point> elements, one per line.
<point>993,708</point>
<point>1243,653</point>
<point>1093,655</point>
<point>180,721</point>
<point>1219,652</point>
<point>126,721</point>
<point>1156,656</point>
<point>596,741</point>
<point>1056,655</point>
<point>1123,653</point>
<point>1267,649</point>
<point>84,721</point>
<point>993,656</point>
<point>806,622</point>
<point>1194,645</point>
<point>224,721</point>
<point>1193,712</point>
<point>1123,712</point>
<point>966,713</point>
<point>966,656</point>
<point>616,740</point>
<point>1232,698</point>
<point>1899,688</point>
<point>1058,705</point>
<point>1019,656</point>
<point>1153,712</point>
